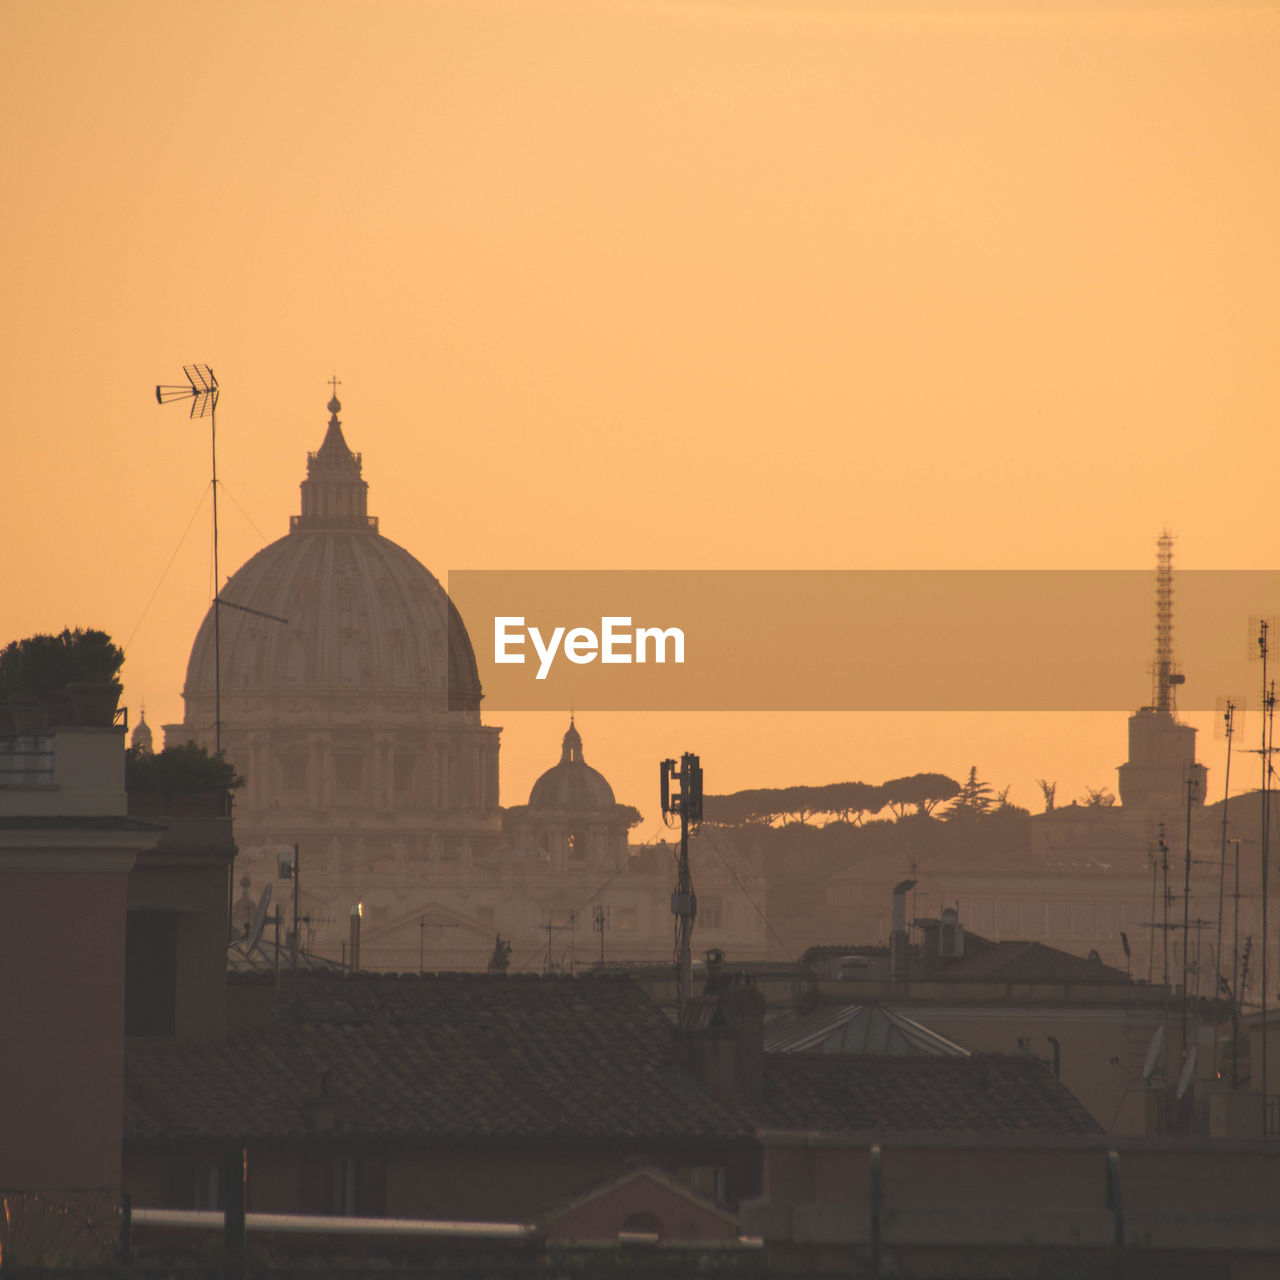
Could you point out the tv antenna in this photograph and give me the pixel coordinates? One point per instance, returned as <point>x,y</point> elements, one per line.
<point>423,926</point>
<point>259,920</point>
<point>687,803</point>
<point>552,928</point>
<point>202,391</point>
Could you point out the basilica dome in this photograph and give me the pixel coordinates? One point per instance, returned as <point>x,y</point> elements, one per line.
<point>572,785</point>
<point>334,607</point>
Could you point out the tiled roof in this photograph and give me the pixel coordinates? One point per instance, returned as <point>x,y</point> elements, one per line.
<point>420,1058</point>
<point>981,1094</point>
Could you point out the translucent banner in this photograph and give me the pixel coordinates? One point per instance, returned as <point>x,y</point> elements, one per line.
<point>939,640</point>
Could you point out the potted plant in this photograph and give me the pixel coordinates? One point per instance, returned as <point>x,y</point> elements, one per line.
<point>64,679</point>
<point>180,780</point>
<point>94,690</point>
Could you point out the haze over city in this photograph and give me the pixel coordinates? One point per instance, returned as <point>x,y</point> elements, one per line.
<point>632,285</point>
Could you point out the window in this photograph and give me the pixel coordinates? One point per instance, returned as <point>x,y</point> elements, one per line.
<point>207,1188</point>
<point>626,919</point>
<point>711,913</point>
<point>343,1201</point>
<point>710,1180</point>
<point>353,1186</point>
<point>293,773</point>
<point>195,1185</point>
<point>577,844</point>
<point>150,973</point>
<point>348,773</point>
<point>642,1224</point>
<point>403,770</point>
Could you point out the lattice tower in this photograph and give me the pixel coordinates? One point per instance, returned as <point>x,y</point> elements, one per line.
<point>1163,699</point>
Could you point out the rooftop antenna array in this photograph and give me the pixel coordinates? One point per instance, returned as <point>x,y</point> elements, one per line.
<point>202,391</point>
<point>687,804</point>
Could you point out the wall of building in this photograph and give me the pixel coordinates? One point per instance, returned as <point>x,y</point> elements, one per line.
<point>949,1202</point>
<point>62,1010</point>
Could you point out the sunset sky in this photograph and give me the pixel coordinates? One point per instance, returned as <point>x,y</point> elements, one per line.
<point>645,285</point>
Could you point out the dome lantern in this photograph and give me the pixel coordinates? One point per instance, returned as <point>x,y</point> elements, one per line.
<point>335,494</point>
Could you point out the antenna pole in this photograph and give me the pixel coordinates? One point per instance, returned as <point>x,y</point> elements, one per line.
<point>217,589</point>
<point>297,877</point>
<point>1228,718</point>
<point>687,802</point>
<point>1268,704</point>
<point>1186,919</point>
<point>1164,885</point>
<point>1235,980</point>
<point>202,391</point>
<point>1151,947</point>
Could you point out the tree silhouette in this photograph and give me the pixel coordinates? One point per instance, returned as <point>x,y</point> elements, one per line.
<point>974,798</point>
<point>842,802</point>
<point>924,791</point>
<point>1098,798</point>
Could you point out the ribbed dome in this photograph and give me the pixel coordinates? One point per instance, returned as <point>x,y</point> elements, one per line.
<point>572,784</point>
<point>361,613</point>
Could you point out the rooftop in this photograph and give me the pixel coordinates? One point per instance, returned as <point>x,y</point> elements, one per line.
<point>510,1058</point>
<point>426,1057</point>
<point>985,1093</point>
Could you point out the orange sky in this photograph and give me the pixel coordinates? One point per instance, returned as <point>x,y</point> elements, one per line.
<point>638,285</point>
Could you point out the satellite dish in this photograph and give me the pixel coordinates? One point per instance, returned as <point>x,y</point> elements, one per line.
<point>1188,1070</point>
<point>1153,1053</point>
<point>259,920</point>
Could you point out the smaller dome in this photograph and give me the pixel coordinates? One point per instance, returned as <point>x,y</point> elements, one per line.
<point>141,740</point>
<point>572,784</point>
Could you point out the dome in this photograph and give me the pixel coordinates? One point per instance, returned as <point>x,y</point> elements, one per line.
<point>335,607</point>
<point>572,784</point>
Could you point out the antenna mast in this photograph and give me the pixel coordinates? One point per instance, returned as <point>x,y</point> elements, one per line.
<point>202,391</point>
<point>684,902</point>
<point>1268,739</point>
<point>1166,678</point>
<point>1228,722</point>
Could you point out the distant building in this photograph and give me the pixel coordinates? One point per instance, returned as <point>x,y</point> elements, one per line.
<point>350,703</point>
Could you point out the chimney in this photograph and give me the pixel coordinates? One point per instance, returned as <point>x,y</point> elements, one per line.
<point>356,912</point>
<point>721,1037</point>
<point>742,1008</point>
<point>898,937</point>
<point>950,935</point>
